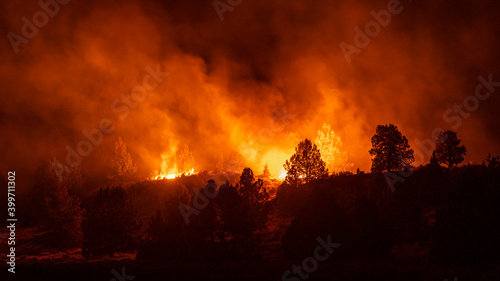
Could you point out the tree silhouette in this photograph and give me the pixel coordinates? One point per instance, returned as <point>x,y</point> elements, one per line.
<point>390,149</point>
<point>433,161</point>
<point>254,198</point>
<point>493,162</point>
<point>305,165</point>
<point>252,191</point>
<point>448,149</point>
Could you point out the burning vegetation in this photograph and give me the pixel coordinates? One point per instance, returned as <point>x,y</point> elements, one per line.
<point>229,135</point>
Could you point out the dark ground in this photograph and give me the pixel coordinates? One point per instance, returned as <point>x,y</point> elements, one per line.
<point>251,270</point>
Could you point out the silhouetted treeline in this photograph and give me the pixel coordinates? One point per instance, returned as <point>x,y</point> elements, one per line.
<point>437,215</point>
<point>215,222</point>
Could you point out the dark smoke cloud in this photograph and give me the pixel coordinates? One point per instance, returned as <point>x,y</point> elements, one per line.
<point>226,78</point>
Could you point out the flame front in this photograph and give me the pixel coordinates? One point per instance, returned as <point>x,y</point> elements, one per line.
<point>176,162</point>
<point>162,175</point>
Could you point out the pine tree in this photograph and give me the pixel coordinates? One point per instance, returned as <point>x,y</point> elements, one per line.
<point>493,162</point>
<point>390,149</point>
<point>448,150</point>
<point>252,190</point>
<point>305,165</point>
<point>255,197</point>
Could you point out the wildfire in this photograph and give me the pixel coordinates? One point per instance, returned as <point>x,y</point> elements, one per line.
<point>282,176</point>
<point>161,176</point>
<point>175,162</point>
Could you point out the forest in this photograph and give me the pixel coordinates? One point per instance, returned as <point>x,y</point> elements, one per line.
<point>430,222</point>
<point>250,140</point>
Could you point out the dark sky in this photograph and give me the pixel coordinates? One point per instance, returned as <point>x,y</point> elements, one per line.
<point>226,78</point>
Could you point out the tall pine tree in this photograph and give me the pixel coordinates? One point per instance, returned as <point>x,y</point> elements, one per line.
<point>305,165</point>
<point>390,149</point>
<point>448,149</point>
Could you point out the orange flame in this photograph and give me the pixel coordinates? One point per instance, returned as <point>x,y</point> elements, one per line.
<point>161,176</point>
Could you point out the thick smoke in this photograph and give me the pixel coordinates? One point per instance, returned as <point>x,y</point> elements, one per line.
<point>230,80</point>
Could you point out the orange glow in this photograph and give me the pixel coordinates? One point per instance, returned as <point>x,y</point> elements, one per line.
<point>242,95</point>
<point>275,158</point>
<point>161,176</point>
<point>176,161</point>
